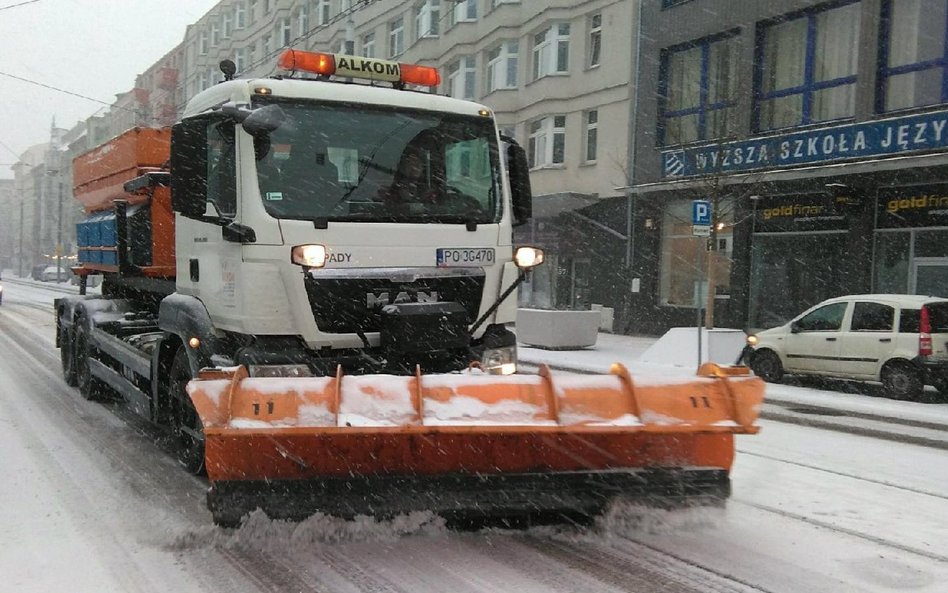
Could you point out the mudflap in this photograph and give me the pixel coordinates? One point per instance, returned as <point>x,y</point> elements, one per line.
<point>464,499</point>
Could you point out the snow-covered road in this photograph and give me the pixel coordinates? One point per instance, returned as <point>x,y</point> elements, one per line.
<point>91,501</point>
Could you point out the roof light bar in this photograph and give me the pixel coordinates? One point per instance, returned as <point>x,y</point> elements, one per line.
<point>358,67</point>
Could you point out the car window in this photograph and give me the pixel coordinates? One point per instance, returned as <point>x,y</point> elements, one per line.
<point>872,317</point>
<point>908,321</point>
<point>826,318</point>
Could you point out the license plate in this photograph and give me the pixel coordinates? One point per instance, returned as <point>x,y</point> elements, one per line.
<point>465,256</point>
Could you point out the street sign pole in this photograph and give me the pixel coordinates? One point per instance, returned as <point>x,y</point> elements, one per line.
<point>700,227</point>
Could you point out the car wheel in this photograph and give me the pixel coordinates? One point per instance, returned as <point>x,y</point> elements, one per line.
<point>186,425</point>
<point>766,365</point>
<point>902,381</point>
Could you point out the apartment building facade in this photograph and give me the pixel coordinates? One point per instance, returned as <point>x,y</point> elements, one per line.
<point>817,129</point>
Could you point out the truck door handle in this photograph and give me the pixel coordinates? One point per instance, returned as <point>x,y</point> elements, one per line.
<point>885,339</point>
<point>830,339</point>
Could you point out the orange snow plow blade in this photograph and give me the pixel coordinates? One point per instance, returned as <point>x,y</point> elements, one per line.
<point>462,444</point>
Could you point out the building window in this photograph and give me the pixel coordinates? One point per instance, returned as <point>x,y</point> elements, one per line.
<point>684,265</point>
<point>267,46</point>
<point>215,33</point>
<point>240,59</point>
<point>286,32</point>
<point>240,15</point>
<point>551,51</point>
<point>461,77</point>
<point>302,20</point>
<point>495,3</point>
<point>368,45</point>
<point>427,19</point>
<point>465,11</point>
<point>251,54</point>
<point>228,25</point>
<point>591,133</point>
<point>547,145</point>
<point>914,61</point>
<point>807,68</point>
<point>697,91</point>
<point>396,37</point>
<point>252,10</point>
<point>595,39</point>
<point>202,43</point>
<point>322,12</point>
<point>502,63</point>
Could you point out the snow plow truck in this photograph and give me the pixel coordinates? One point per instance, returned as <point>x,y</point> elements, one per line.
<point>311,279</point>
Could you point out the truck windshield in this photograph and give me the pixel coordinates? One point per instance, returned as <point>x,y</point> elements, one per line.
<point>354,162</point>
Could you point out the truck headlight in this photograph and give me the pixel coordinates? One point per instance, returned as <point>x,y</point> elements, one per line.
<point>751,340</point>
<point>309,256</point>
<point>527,258</point>
<point>500,361</point>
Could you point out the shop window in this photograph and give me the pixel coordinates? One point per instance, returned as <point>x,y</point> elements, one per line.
<point>697,91</point>
<point>872,317</point>
<point>892,262</point>
<point>807,68</point>
<point>914,59</point>
<point>684,268</point>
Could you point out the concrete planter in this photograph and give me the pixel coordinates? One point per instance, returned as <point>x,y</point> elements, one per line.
<point>557,330</point>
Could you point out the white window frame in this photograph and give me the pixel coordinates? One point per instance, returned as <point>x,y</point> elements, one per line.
<point>427,19</point>
<point>502,65</point>
<point>462,78</point>
<point>545,134</point>
<point>240,59</point>
<point>286,32</point>
<point>495,3</point>
<point>203,42</point>
<point>215,32</point>
<point>302,20</point>
<point>267,43</point>
<point>595,40</point>
<point>546,51</point>
<point>462,12</point>
<point>396,37</point>
<point>368,45</point>
<point>322,12</point>
<point>590,132</point>
<point>240,15</point>
<point>227,25</point>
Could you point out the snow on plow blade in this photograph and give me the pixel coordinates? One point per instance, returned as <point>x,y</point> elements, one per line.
<point>464,445</point>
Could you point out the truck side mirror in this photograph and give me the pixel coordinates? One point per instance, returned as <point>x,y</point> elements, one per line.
<point>189,168</point>
<point>519,171</point>
<point>264,120</point>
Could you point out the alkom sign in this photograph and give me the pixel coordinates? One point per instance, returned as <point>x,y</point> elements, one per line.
<point>927,131</point>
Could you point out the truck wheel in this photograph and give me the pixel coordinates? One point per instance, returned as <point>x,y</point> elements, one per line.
<point>185,423</point>
<point>766,365</point>
<point>67,355</point>
<point>902,381</point>
<point>942,386</point>
<point>89,387</point>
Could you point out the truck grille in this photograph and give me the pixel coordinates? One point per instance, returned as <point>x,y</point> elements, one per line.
<point>351,304</point>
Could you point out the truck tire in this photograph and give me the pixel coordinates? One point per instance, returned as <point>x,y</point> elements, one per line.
<point>90,387</point>
<point>67,355</point>
<point>185,423</point>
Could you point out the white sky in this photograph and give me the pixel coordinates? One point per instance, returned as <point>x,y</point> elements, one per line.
<point>89,47</point>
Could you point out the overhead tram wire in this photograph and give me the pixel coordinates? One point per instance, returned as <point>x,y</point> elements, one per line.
<point>64,91</point>
<point>19,4</point>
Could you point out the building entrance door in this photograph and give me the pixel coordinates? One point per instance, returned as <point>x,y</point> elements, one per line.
<point>930,276</point>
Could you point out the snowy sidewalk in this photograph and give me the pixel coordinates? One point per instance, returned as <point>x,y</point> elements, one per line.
<point>928,421</point>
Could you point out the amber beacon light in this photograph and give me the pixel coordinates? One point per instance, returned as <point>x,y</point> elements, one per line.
<point>325,64</point>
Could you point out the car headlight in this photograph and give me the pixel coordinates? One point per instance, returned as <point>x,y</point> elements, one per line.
<point>751,340</point>
<point>500,361</point>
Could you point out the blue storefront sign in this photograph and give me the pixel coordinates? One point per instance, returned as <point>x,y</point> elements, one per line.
<point>927,131</point>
